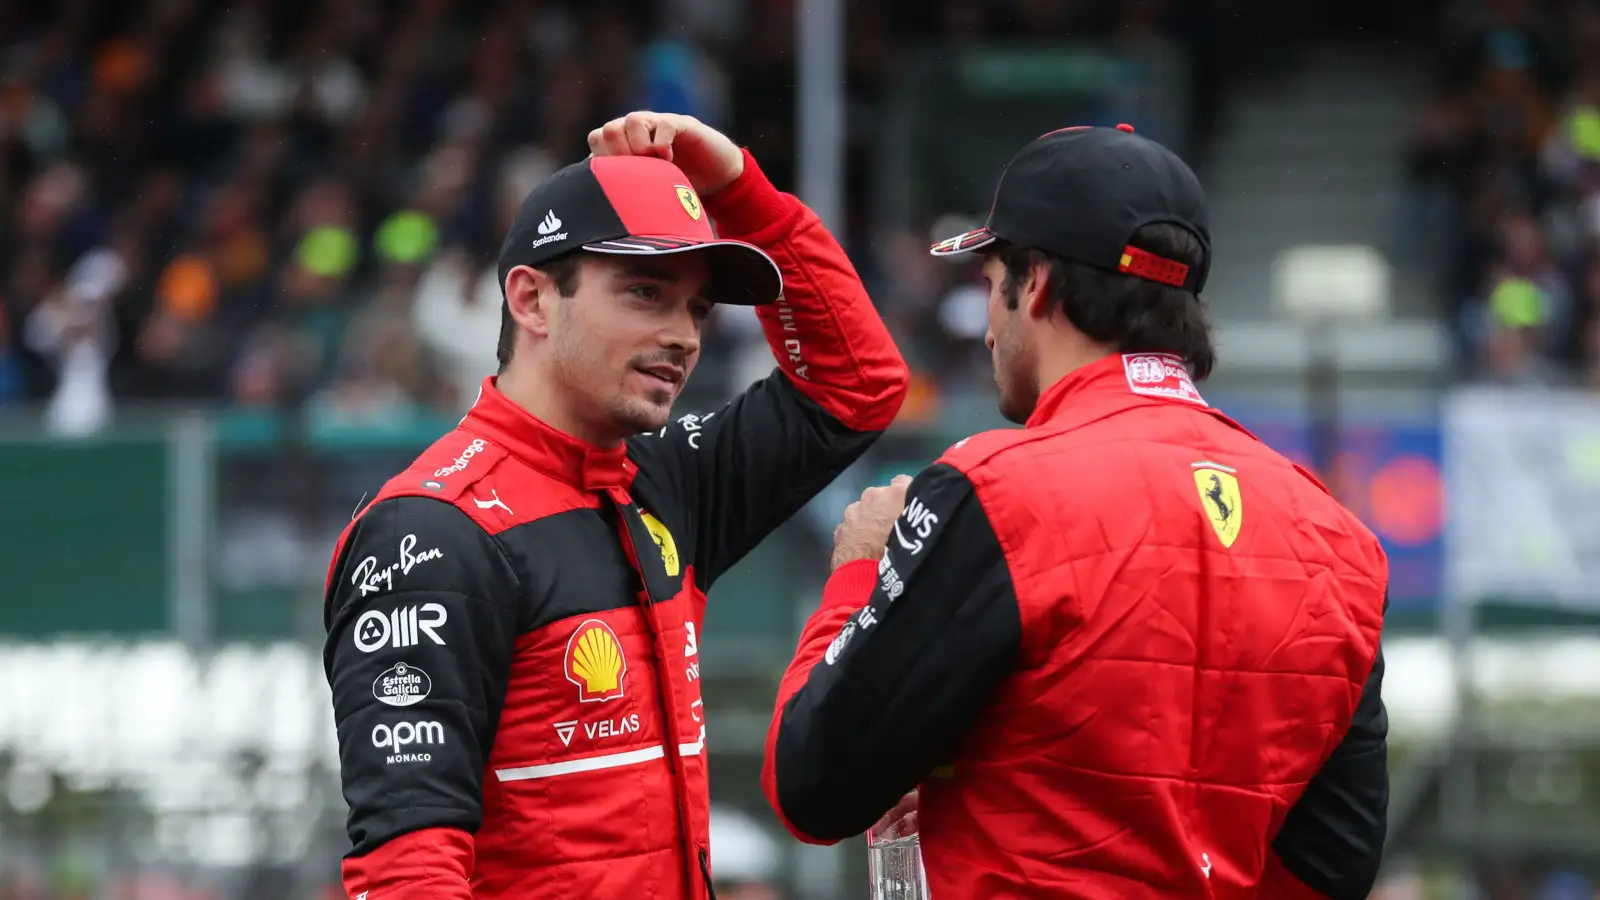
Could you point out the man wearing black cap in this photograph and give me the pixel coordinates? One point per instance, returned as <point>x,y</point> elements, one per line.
<point>513,623</point>
<point>1126,651</point>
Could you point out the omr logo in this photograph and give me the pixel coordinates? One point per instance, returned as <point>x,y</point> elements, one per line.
<point>595,662</point>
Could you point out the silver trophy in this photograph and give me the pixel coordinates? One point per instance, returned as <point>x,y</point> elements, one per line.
<point>894,855</point>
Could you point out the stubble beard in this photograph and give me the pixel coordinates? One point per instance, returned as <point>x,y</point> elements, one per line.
<point>635,415</point>
<point>652,409</point>
<point>1014,378</point>
<point>600,399</point>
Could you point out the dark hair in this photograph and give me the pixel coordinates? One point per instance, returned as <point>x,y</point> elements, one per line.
<point>563,270</point>
<point>1133,314</point>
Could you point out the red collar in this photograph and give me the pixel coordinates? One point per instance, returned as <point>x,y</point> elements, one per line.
<point>1124,375</point>
<point>553,452</point>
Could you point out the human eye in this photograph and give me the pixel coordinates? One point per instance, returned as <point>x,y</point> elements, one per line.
<point>647,292</point>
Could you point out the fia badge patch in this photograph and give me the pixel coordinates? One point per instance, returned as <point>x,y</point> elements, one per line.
<point>690,201</point>
<point>1160,375</point>
<point>1220,500</point>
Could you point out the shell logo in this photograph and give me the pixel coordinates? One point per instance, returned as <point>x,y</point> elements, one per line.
<point>595,662</point>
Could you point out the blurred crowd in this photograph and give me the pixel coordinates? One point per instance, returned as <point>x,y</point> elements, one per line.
<point>271,204</point>
<point>1505,160</point>
<point>278,205</point>
<point>282,205</point>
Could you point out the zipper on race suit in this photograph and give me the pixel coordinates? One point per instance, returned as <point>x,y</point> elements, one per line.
<point>705,869</point>
<point>631,526</point>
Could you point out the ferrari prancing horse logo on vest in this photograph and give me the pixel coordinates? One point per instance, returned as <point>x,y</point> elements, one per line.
<point>664,541</point>
<point>1218,486</point>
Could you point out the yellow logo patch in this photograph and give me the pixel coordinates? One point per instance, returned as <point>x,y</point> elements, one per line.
<point>690,201</point>
<point>1220,499</point>
<point>664,541</point>
<point>595,662</point>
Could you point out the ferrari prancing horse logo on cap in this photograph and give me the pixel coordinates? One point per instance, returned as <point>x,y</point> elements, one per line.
<point>1220,499</point>
<point>690,201</point>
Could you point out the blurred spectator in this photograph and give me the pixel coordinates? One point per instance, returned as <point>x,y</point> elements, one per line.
<point>181,345</point>
<point>10,367</point>
<point>73,326</point>
<point>456,312</point>
<point>1517,329</point>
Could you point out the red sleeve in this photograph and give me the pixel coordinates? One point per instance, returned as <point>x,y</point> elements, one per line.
<point>826,335</point>
<point>432,864</point>
<point>1277,883</point>
<point>849,589</point>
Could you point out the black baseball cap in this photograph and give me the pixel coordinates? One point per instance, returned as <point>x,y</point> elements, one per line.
<point>633,206</point>
<point>1082,192</point>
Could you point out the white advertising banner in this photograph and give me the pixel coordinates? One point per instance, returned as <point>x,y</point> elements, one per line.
<point>1522,476</point>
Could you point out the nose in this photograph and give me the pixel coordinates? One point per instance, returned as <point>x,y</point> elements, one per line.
<point>988,340</point>
<point>682,333</point>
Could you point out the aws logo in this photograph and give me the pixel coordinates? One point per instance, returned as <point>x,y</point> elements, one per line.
<point>595,662</point>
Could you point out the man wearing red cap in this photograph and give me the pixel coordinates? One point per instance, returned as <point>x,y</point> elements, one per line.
<point>513,623</point>
<point>1126,651</point>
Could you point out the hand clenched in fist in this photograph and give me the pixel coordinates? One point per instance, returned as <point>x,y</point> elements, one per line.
<point>865,530</point>
<point>707,156</point>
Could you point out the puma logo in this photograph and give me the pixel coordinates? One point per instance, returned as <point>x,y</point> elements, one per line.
<point>493,502</point>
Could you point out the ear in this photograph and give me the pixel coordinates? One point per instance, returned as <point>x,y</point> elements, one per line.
<point>529,295</point>
<point>1035,294</point>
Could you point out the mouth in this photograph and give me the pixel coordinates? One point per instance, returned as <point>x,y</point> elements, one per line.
<point>668,376</point>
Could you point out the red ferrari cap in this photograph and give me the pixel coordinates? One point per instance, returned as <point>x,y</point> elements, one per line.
<point>633,206</point>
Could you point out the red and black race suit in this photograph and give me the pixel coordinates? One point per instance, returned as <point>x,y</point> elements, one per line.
<point>513,623</point>
<point>1126,652</point>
